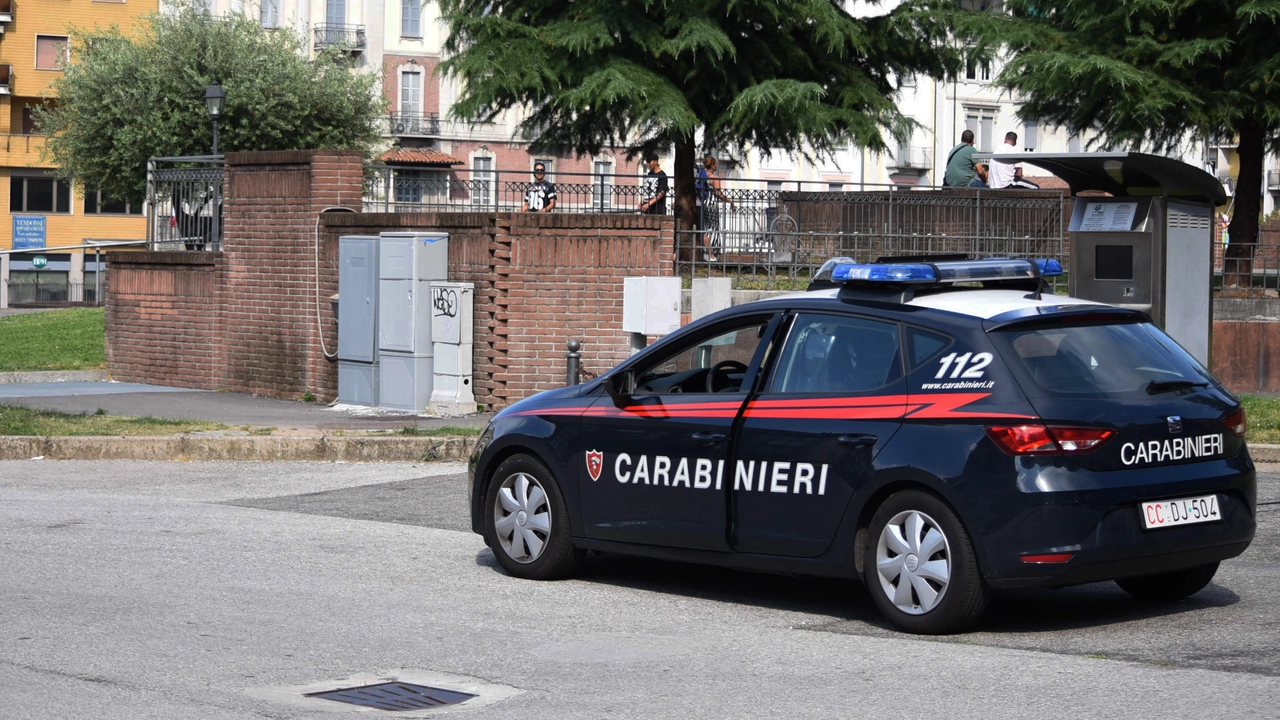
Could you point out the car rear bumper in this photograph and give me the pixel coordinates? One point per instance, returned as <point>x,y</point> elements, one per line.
<point>1101,527</point>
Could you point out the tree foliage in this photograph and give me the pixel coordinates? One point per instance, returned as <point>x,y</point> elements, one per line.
<point>776,75</point>
<point>1152,72</point>
<point>126,98</point>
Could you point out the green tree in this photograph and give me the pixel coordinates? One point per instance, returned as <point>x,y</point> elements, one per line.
<point>126,98</point>
<point>776,75</point>
<point>1154,72</point>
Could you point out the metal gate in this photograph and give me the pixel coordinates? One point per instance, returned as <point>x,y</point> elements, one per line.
<point>184,203</point>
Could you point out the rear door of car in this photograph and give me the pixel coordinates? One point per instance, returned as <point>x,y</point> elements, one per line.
<point>834,397</point>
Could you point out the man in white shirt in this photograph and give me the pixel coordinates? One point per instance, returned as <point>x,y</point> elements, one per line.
<point>1009,175</point>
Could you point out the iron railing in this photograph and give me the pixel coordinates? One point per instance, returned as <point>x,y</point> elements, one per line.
<point>51,291</point>
<point>778,239</point>
<point>1247,270</point>
<point>339,35</point>
<point>184,203</point>
<point>918,158</point>
<point>403,189</point>
<point>414,124</point>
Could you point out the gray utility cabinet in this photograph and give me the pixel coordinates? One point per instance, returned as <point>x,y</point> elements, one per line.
<point>1148,246</point>
<point>407,263</point>
<point>358,320</point>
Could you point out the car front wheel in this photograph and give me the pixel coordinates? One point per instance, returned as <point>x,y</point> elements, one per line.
<point>1171,586</point>
<point>527,525</point>
<point>920,567</point>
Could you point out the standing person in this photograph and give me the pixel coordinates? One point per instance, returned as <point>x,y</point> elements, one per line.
<point>1009,175</point>
<point>541,195</point>
<point>653,194</point>
<point>962,171</point>
<point>710,194</point>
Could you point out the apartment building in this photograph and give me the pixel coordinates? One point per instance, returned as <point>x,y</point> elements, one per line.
<point>43,213</point>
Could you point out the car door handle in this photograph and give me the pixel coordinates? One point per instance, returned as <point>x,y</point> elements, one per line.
<point>708,438</point>
<point>857,440</point>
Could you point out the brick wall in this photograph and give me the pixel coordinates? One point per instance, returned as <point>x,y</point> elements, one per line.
<point>256,316</point>
<point>161,324</point>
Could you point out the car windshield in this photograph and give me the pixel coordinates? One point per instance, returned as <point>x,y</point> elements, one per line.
<point>1097,360</point>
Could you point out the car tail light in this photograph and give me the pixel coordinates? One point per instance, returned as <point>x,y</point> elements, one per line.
<point>1235,422</point>
<point>1048,440</point>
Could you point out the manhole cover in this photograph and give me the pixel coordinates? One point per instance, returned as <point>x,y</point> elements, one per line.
<point>395,696</point>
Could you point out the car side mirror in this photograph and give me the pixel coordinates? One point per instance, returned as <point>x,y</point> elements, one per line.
<point>620,387</point>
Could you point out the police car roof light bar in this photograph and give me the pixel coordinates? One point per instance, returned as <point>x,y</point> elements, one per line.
<point>903,273</point>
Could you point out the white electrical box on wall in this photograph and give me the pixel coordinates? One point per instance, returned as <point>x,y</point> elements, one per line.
<point>452,329</point>
<point>651,305</point>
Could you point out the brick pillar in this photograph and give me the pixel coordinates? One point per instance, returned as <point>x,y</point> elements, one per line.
<point>275,325</point>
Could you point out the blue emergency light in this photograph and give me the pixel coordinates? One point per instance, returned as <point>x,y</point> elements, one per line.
<point>952,271</point>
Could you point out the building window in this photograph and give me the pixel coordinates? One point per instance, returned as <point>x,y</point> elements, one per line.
<point>51,52</point>
<point>411,18</point>
<point>602,185</point>
<point>977,71</point>
<point>270,13</point>
<point>411,92</point>
<point>1073,143</point>
<point>482,180</point>
<point>96,204</point>
<point>1030,135</point>
<point>39,194</point>
<point>549,163</point>
<point>982,121</point>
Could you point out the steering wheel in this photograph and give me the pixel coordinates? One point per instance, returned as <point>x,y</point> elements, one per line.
<point>719,369</point>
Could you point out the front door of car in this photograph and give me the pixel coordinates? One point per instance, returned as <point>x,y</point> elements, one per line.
<point>834,398</point>
<point>655,463</point>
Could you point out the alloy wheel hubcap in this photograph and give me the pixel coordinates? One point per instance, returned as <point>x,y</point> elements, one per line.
<point>522,517</point>
<point>913,562</point>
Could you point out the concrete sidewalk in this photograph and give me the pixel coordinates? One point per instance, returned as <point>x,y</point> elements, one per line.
<point>262,428</point>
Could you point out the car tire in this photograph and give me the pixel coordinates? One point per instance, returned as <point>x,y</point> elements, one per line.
<point>1170,586</point>
<point>917,539</point>
<point>527,521</point>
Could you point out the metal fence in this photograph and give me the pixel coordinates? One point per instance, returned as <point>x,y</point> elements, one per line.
<point>53,291</point>
<point>777,238</point>
<point>184,203</point>
<point>400,189</point>
<point>1250,270</point>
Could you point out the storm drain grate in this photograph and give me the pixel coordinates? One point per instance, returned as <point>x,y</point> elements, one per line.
<point>395,696</point>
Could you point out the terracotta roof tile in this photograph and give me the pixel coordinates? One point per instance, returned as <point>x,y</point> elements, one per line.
<point>419,156</point>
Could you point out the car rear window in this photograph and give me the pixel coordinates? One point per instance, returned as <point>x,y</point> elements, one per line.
<point>1097,360</point>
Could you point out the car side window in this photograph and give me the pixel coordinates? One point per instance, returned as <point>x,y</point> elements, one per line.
<point>837,354</point>
<point>710,364</point>
<point>924,345</point>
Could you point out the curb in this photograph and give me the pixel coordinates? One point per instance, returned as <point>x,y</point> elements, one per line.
<point>261,449</point>
<point>1264,453</point>
<point>45,376</point>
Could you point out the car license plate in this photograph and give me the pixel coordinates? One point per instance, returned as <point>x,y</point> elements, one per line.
<point>1183,511</point>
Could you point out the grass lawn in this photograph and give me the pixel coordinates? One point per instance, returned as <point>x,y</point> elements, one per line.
<point>16,420</point>
<point>446,431</point>
<point>70,339</point>
<point>1263,419</point>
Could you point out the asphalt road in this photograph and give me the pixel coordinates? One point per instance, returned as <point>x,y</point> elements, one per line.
<point>219,590</point>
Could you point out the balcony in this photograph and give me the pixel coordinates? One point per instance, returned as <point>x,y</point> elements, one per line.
<point>414,125</point>
<point>348,37</point>
<point>6,12</point>
<point>6,79</point>
<point>914,158</point>
<point>1273,180</point>
<point>21,150</point>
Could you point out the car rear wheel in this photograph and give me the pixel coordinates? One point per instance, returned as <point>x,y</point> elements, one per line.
<point>920,567</point>
<point>527,525</point>
<point>1171,586</point>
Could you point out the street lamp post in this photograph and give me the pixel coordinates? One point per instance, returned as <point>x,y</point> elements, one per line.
<point>214,97</point>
